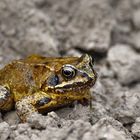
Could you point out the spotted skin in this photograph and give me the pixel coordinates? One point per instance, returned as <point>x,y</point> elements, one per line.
<point>29,104</point>
<point>40,84</point>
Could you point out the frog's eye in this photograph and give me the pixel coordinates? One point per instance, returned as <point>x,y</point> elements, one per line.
<point>68,72</point>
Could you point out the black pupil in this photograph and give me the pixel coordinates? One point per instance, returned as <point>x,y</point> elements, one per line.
<point>68,72</point>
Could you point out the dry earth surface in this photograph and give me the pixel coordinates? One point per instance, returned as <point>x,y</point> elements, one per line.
<point>109,30</point>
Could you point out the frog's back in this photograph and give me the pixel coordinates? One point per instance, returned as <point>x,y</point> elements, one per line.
<point>21,77</point>
<point>49,62</point>
<point>7,73</point>
<point>15,71</point>
<point>16,77</point>
<point>26,75</point>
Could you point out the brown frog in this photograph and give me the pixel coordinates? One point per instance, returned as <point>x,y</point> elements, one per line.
<point>40,84</point>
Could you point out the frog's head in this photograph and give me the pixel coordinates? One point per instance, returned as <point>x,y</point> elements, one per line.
<point>75,74</point>
<point>70,79</point>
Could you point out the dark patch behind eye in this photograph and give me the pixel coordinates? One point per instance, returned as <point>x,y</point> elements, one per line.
<point>53,80</point>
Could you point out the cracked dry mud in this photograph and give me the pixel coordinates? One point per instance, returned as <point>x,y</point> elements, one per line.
<point>109,31</point>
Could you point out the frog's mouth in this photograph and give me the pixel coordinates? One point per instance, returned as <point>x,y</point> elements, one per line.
<point>75,86</point>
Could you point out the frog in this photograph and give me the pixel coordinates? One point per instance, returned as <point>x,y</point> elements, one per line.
<point>39,84</point>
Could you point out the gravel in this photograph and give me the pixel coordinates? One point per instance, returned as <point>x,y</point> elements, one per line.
<point>109,31</point>
<point>4,130</point>
<point>136,128</point>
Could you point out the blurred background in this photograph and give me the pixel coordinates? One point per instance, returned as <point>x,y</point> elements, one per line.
<point>108,30</point>
<point>67,27</point>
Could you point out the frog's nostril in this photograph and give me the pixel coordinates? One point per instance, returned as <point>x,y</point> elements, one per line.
<point>84,74</point>
<point>43,101</point>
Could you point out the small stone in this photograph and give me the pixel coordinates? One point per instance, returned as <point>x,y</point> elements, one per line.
<point>97,40</point>
<point>52,119</point>
<point>124,62</point>
<point>22,137</point>
<point>4,131</point>
<point>37,42</point>
<point>37,121</point>
<point>53,115</point>
<point>90,30</point>
<point>126,108</point>
<point>136,127</point>
<point>23,127</point>
<point>107,129</point>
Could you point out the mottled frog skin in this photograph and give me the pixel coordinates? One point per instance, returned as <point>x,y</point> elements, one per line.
<point>41,84</point>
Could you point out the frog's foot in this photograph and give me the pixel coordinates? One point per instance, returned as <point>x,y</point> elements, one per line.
<point>25,108</point>
<point>30,105</point>
<point>5,98</point>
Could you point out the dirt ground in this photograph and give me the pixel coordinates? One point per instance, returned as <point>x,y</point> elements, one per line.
<point>108,30</point>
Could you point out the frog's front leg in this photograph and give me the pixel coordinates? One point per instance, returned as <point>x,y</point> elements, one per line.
<point>29,105</point>
<point>6,101</point>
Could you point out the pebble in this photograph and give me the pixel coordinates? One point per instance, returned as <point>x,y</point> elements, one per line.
<point>124,61</point>
<point>136,128</point>
<point>107,129</point>
<point>4,131</point>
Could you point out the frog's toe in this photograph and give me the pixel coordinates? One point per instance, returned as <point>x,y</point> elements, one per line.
<point>31,104</point>
<point>24,109</point>
<point>4,95</point>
